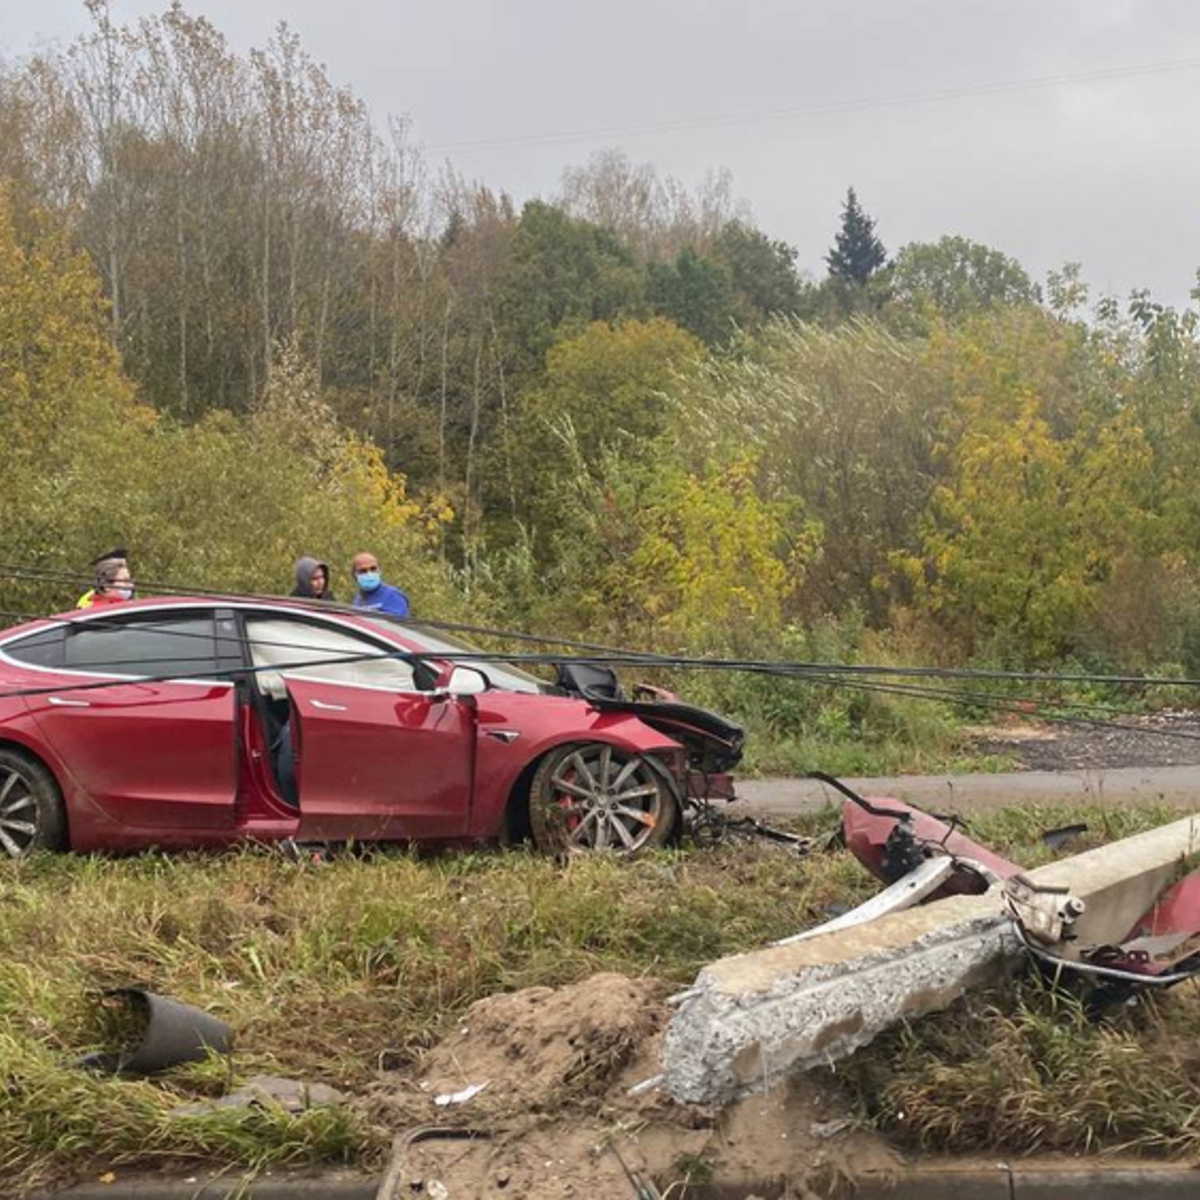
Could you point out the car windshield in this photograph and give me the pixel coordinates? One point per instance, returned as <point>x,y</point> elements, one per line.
<point>508,678</point>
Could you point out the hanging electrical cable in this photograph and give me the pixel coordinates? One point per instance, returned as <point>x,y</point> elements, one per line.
<point>851,676</point>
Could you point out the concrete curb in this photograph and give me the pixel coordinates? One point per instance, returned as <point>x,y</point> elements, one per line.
<point>223,1187</point>
<point>930,1183</point>
<point>1017,1183</point>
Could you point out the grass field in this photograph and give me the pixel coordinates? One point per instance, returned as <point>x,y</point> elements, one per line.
<point>323,967</point>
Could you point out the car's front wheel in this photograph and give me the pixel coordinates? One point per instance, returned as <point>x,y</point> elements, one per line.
<point>599,797</point>
<point>31,807</point>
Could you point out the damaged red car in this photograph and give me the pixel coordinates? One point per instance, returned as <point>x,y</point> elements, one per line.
<point>185,723</point>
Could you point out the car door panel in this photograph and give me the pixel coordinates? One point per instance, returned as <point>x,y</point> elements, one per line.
<point>378,764</point>
<point>150,755</point>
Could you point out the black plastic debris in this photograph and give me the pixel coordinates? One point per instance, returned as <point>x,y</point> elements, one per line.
<point>159,1033</point>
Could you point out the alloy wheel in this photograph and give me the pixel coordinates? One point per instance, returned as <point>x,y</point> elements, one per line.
<point>18,813</point>
<point>607,799</point>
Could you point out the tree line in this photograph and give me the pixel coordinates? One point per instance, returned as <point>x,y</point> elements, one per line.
<point>620,410</point>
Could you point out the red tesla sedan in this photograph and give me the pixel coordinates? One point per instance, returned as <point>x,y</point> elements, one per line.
<point>190,722</point>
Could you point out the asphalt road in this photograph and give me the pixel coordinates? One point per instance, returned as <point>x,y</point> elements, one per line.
<point>1178,787</point>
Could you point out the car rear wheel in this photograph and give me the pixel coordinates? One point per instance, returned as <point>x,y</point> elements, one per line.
<point>599,797</point>
<point>31,807</point>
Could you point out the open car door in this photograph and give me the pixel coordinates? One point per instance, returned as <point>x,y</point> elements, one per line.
<point>378,765</point>
<point>375,757</point>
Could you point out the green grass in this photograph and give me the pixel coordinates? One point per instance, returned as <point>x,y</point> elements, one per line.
<point>946,750</point>
<point>321,968</point>
<point>1029,1069</point>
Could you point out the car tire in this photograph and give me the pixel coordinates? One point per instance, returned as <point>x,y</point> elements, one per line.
<point>594,796</point>
<point>32,816</point>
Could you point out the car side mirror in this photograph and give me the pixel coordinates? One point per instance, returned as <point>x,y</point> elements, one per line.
<point>467,681</point>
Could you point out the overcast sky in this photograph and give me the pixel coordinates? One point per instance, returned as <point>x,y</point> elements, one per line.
<point>1099,163</point>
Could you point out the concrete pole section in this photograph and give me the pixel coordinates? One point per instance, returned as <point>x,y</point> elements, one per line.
<point>751,1017</point>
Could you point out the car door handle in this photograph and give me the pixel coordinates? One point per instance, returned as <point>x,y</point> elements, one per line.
<point>327,707</point>
<point>60,702</point>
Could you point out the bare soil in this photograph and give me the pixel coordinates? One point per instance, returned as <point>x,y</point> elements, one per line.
<point>1165,739</point>
<point>555,1117</point>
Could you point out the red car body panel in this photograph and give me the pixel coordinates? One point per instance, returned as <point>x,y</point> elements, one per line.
<point>377,764</point>
<point>867,834</point>
<point>1166,936</point>
<point>186,763</point>
<point>151,755</point>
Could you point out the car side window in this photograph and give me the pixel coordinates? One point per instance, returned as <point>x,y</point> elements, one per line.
<point>41,649</point>
<point>181,647</point>
<point>308,650</point>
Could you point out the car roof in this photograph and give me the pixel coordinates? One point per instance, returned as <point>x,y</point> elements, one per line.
<point>320,609</point>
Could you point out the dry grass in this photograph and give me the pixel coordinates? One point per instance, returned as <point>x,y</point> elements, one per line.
<point>323,968</point>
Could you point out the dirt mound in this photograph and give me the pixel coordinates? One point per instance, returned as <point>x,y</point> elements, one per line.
<point>535,1102</point>
<point>543,1047</point>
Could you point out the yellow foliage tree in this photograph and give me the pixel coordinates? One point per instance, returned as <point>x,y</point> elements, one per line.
<point>657,554</point>
<point>228,503</point>
<point>712,561</point>
<point>1021,537</point>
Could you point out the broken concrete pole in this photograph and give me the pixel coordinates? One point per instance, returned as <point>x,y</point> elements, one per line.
<point>751,1017</point>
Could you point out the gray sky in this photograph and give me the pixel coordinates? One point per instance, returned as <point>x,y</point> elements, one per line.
<point>1105,171</point>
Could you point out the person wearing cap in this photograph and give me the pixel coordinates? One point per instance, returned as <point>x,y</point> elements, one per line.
<point>114,583</point>
<point>372,592</point>
<point>118,554</point>
<point>312,580</point>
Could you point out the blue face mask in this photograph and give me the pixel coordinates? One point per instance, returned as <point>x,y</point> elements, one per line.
<point>368,581</point>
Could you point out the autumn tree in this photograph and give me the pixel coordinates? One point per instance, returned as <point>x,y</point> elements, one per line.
<point>606,389</point>
<point>67,416</point>
<point>846,420</point>
<point>655,216</point>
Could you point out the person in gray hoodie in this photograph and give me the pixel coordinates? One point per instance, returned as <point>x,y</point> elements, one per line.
<point>312,580</point>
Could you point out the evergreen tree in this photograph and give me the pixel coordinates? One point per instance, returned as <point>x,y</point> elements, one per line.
<point>857,253</point>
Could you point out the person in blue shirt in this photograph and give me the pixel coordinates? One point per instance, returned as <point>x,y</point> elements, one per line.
<point>372,592</point>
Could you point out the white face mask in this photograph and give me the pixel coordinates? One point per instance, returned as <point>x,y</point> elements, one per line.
<point>124,590</point>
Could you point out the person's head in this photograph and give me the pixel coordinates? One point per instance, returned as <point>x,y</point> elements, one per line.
<point>113,578</point>
<point>312,578</point>
<point>118,552</point>
<point>366,572</point>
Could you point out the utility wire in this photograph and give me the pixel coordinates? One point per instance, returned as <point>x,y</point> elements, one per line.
<point>969,699</point>
<point>619,655</point>
<point>829,675</point>
<point>999,704</point>
<point>862,104</point>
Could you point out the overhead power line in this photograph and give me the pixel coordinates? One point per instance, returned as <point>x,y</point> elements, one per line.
<point>863,104</point>
<point>854,677</point>
<point>618,655</point>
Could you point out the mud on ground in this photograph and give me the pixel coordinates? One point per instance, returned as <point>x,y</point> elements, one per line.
<point>555,1117</point>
